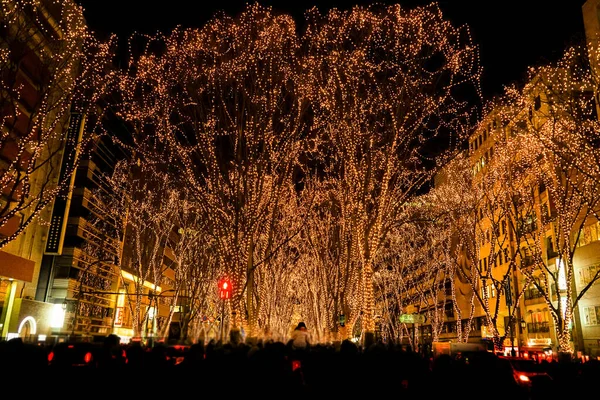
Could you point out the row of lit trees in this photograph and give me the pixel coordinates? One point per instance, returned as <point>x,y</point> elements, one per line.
<point>304,154</point>
<point>254,113</point>
<point>294,160</point>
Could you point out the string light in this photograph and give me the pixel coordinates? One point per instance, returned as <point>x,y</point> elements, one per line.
<point>52,71</point>
<point>248,108</point>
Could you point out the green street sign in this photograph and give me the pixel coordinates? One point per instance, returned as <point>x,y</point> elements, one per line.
<point>412,318</point>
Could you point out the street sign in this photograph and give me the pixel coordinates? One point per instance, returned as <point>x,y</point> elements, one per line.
<point>412,318</point>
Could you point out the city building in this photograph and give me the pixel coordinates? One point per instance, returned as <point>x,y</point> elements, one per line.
<point>61,275</point>
<point>40,139</point>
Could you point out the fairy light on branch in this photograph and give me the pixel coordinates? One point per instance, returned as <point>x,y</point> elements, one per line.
<point>244,103</point>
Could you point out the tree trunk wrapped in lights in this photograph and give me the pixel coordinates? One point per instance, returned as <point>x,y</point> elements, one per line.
<point>226,100</point>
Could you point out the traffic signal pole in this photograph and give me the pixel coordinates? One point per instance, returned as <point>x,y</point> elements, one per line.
<point>224,294</point>
<point>222,320</point>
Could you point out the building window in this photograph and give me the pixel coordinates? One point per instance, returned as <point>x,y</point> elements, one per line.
<point>591,315</point>
<point>589,234</point>
<point>449,310</point>
<point>586,274</point>
<point>489,290</point>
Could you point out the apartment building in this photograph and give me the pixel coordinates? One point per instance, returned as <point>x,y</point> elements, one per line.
<point>518,246</point>
<point>530,239</point>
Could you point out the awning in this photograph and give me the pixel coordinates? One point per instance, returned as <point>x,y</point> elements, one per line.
<point>15,267</point>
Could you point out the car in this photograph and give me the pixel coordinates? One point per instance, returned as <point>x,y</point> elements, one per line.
<point>74,354</point>
<point>530,374</point>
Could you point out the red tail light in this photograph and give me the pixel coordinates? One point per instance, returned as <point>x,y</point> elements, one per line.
<point>88,357</point>
<point>296,364</point>
<point>50,356</point>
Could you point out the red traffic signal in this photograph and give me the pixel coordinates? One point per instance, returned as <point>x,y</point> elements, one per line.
<point>224,288</point>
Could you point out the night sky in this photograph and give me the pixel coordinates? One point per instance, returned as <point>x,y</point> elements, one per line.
<point>512,34</point>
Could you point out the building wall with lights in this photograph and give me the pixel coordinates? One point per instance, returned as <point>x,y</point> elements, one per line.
<point>20,260</point>
<point>537,326</point>
<point>587,257</point>
<point>84,273</point>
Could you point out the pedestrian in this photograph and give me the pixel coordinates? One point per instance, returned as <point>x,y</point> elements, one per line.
<point>112,354</point>
<point>300,337</point>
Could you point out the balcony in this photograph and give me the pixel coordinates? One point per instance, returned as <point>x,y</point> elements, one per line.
<point>527,262</point>
<point>533,296</point>
<point>538,327</point>
<point>551,253</point>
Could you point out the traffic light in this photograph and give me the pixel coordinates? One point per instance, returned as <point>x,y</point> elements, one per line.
<point>224,288</point>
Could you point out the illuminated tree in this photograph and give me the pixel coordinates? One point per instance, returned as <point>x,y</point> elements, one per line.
<point>468,207</point>
<point>53,73</point>
<point>434,282</point>
<point>535,192</point>
<point>505,218</point>
<point>225,100</point>
<point>562,105</point>
<point>450,209</point>
<point>150,198</point>
<point>385,82</point>
<point>196,268</point>
<point>327,254</point>
<point>400,280</point>
<point>281,289</point>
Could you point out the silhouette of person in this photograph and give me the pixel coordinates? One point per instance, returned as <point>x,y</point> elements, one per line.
<point>300,337</point>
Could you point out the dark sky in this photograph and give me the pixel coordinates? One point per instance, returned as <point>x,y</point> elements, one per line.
<point>512,34</point>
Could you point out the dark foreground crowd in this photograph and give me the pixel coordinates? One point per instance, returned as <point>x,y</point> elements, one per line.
<point>276,370</point>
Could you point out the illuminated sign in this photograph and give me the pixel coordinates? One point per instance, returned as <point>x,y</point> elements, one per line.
<point>412,318</point>
<point>119,316</point>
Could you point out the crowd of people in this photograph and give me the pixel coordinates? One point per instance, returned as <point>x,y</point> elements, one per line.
<point>300,368</point>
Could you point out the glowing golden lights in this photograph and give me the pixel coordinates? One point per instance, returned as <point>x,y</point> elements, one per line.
<point>249,109</point>
<point>291,158</point>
